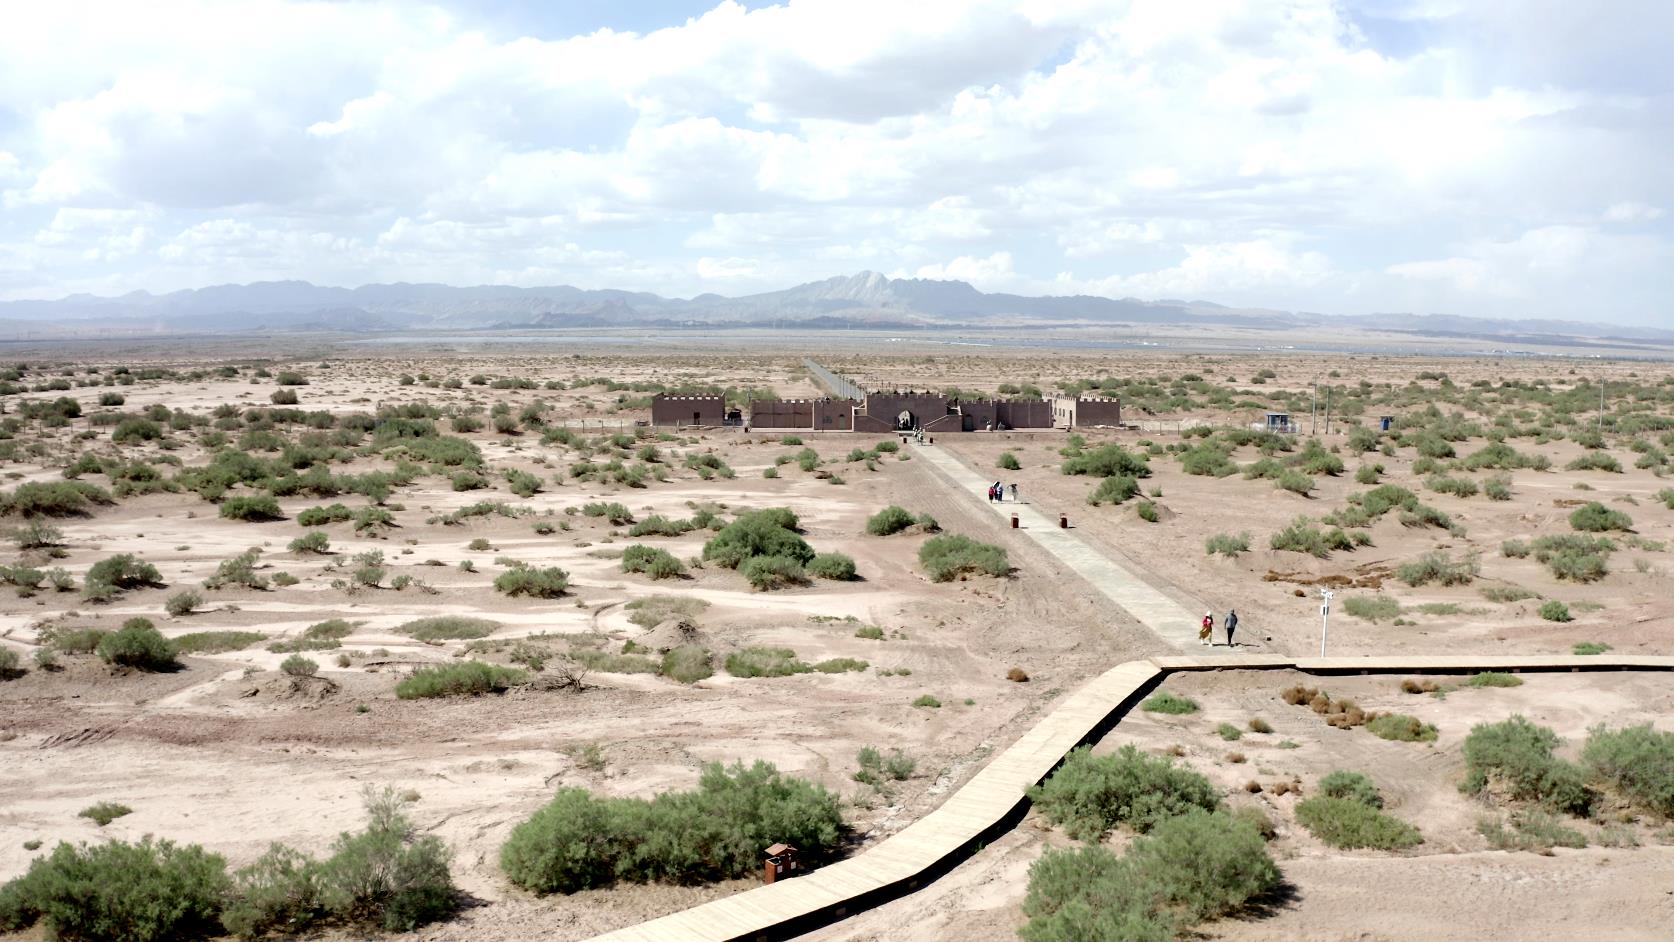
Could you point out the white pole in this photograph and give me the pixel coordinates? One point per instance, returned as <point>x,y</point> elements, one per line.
<point>1324,618</point>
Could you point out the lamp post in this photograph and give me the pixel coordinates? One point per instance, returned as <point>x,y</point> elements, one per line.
<point>1324,618</point>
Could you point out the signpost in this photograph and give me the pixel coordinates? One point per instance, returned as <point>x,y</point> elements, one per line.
<point>1324,618</point>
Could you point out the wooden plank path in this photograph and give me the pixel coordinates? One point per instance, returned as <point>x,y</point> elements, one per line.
<point>995,799</point>
<point>1167,618</point>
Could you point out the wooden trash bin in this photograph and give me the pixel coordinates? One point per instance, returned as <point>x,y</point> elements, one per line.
<point>780,862</point>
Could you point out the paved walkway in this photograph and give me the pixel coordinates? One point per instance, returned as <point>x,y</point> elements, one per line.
<point>1168,619</point>
<point>994,800</point>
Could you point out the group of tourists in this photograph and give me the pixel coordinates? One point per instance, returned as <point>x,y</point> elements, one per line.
<point>1205,633</point>
<point>997,491</point>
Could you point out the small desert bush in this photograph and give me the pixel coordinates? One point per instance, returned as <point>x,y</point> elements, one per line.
<point>216,642</point>
<point>579,841</point>
<point>687,664</point>
<point>1088,795</point>
<point>138,644</point>
<point>1554,610</point>
<point>1108,461</point>
<point>1008,462</point>
<point>1638,762</point>
<point>1594,517</point>
<point>1589,648</point>
<point>1304,537</point>
<point>114,891</point>
<point>322,516</point>
<point>255,507</point>
<point>183,603</point>
<point>1372,608</point>
<point>761,533</point>
<point>104,812</point>
<point>298,666</point>
<point>1516,756</point>
<point>1191,867</point>
<point>1227,544</point>
<point>1530,830</point>
<point>1353,786</point>
<point>765,573</point>
<point>1400,728</point>
<point>835,566</point>
<point>543,583</point>
<point>311,542</point>
<point>1348,823</point>
<point>465,679</point>
<point>1494,679</point>
<point>1114,490</point>
<point>765,662</point>
<point>1229,732</point>
<point>446,628</point>
<point>124,571</point>
<point>950,555</point>
<point>652,561</point>
<point>1165,702</point>
<point>1440,568</point>
<point>877,768</point>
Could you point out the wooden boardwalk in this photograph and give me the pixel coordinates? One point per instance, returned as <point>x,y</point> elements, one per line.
<point>995,799</point>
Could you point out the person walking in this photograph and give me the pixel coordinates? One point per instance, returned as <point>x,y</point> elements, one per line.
<point>1014,490</point>
<point>999,491</point>
<point>1231,625</point>
<point>1207,628</point>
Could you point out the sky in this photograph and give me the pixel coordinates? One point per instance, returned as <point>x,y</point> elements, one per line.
<point>1504,159</point>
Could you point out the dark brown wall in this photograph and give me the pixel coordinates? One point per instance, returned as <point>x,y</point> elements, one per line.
<point>687,410</point>
<point>1026,413</point>
<point>1089,412</point>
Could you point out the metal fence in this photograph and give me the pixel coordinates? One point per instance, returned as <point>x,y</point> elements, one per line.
<point>839,386</point>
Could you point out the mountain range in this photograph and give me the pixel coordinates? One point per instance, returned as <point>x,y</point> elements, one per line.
<point>866,299</point>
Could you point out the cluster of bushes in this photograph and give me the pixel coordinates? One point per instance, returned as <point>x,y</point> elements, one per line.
<point>1089,795</point>
<point>1347,813</point>
<point>465,679</point>
<point>948,556</point>
<point>716,832</point>
<point>548,582</point>
<point>52,499</point>
<point>1440,568</point>
<point>1303,536</point>
<point>1570,556</point>
<point>388,876</point>
<point>893,519</point>
<point>653,561</point>
<point>782,662</point>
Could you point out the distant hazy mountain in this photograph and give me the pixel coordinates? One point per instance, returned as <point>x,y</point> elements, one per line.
<point>866,298</point>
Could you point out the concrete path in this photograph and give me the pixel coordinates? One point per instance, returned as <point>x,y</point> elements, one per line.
<point>995,799</point>
<point>1167,618</point>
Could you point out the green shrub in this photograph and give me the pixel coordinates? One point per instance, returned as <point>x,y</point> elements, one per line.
<point>1227,544</point>
<point>312,542</point>
<point>1594,517</point>
<point>1229,732</point>
<point>1085,893</point>
<point>1352,786</point>
<point>239,570</point>
<point>716,832</point>
<point>1554,610</point>
<point>659,525</point>
<point>1494,679</point>
<point>132,431</point>
<point>1530,830</point>
<point>1589,648</point>
<point>891,519</point>
<point>614,512</point>
<point>1303,537</point>
<point>73,640</point>
<point>687,664</point>
<point>120,892</point>
<point>876,767</point>
<point>1088,795</point>
<point>465,679</point>
<point>653,561</point>
<point>298,666</point>
<point>388,876</point>
<point>1165,702</point>
<point>1008,462</point>
<point>1147,511</point>
<point>1373,608</point>
<point>183,603</point>
<point>104,812</point>
<point>928,702</point>
<point>765,662</point>
<point>138,644</point>
<point>545,583</point>
<point>950,555</point>
<point>1114,490</point>
<point>436,628</point>
<point>216,642</point>
<point>1400,728</point>
<point>1347,823</point>
<point>1517,756</point>
<point>765,573</point>
<point>770,533</point>
<point>1637,761</point>
<point>834,566</point>
<point>1497,488</point>
<point>1438,567</point>
<point>256,507</point>
<point>1294,481</point>
<point>1595,461</point>
<point>1108,461</point>
<point>124,571</point>
<point>53,499</point>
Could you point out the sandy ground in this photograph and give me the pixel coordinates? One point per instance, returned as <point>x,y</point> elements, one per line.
<point>1449,887</point>
<point>226,753</point>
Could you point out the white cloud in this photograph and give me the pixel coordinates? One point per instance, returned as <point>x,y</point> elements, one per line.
<point>1239,151</point>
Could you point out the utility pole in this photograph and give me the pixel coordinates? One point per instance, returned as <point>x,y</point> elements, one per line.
<point>1601,405</point>
<point>1313,412</point>
<point>1324,618</point>
<point>1328,410</point>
